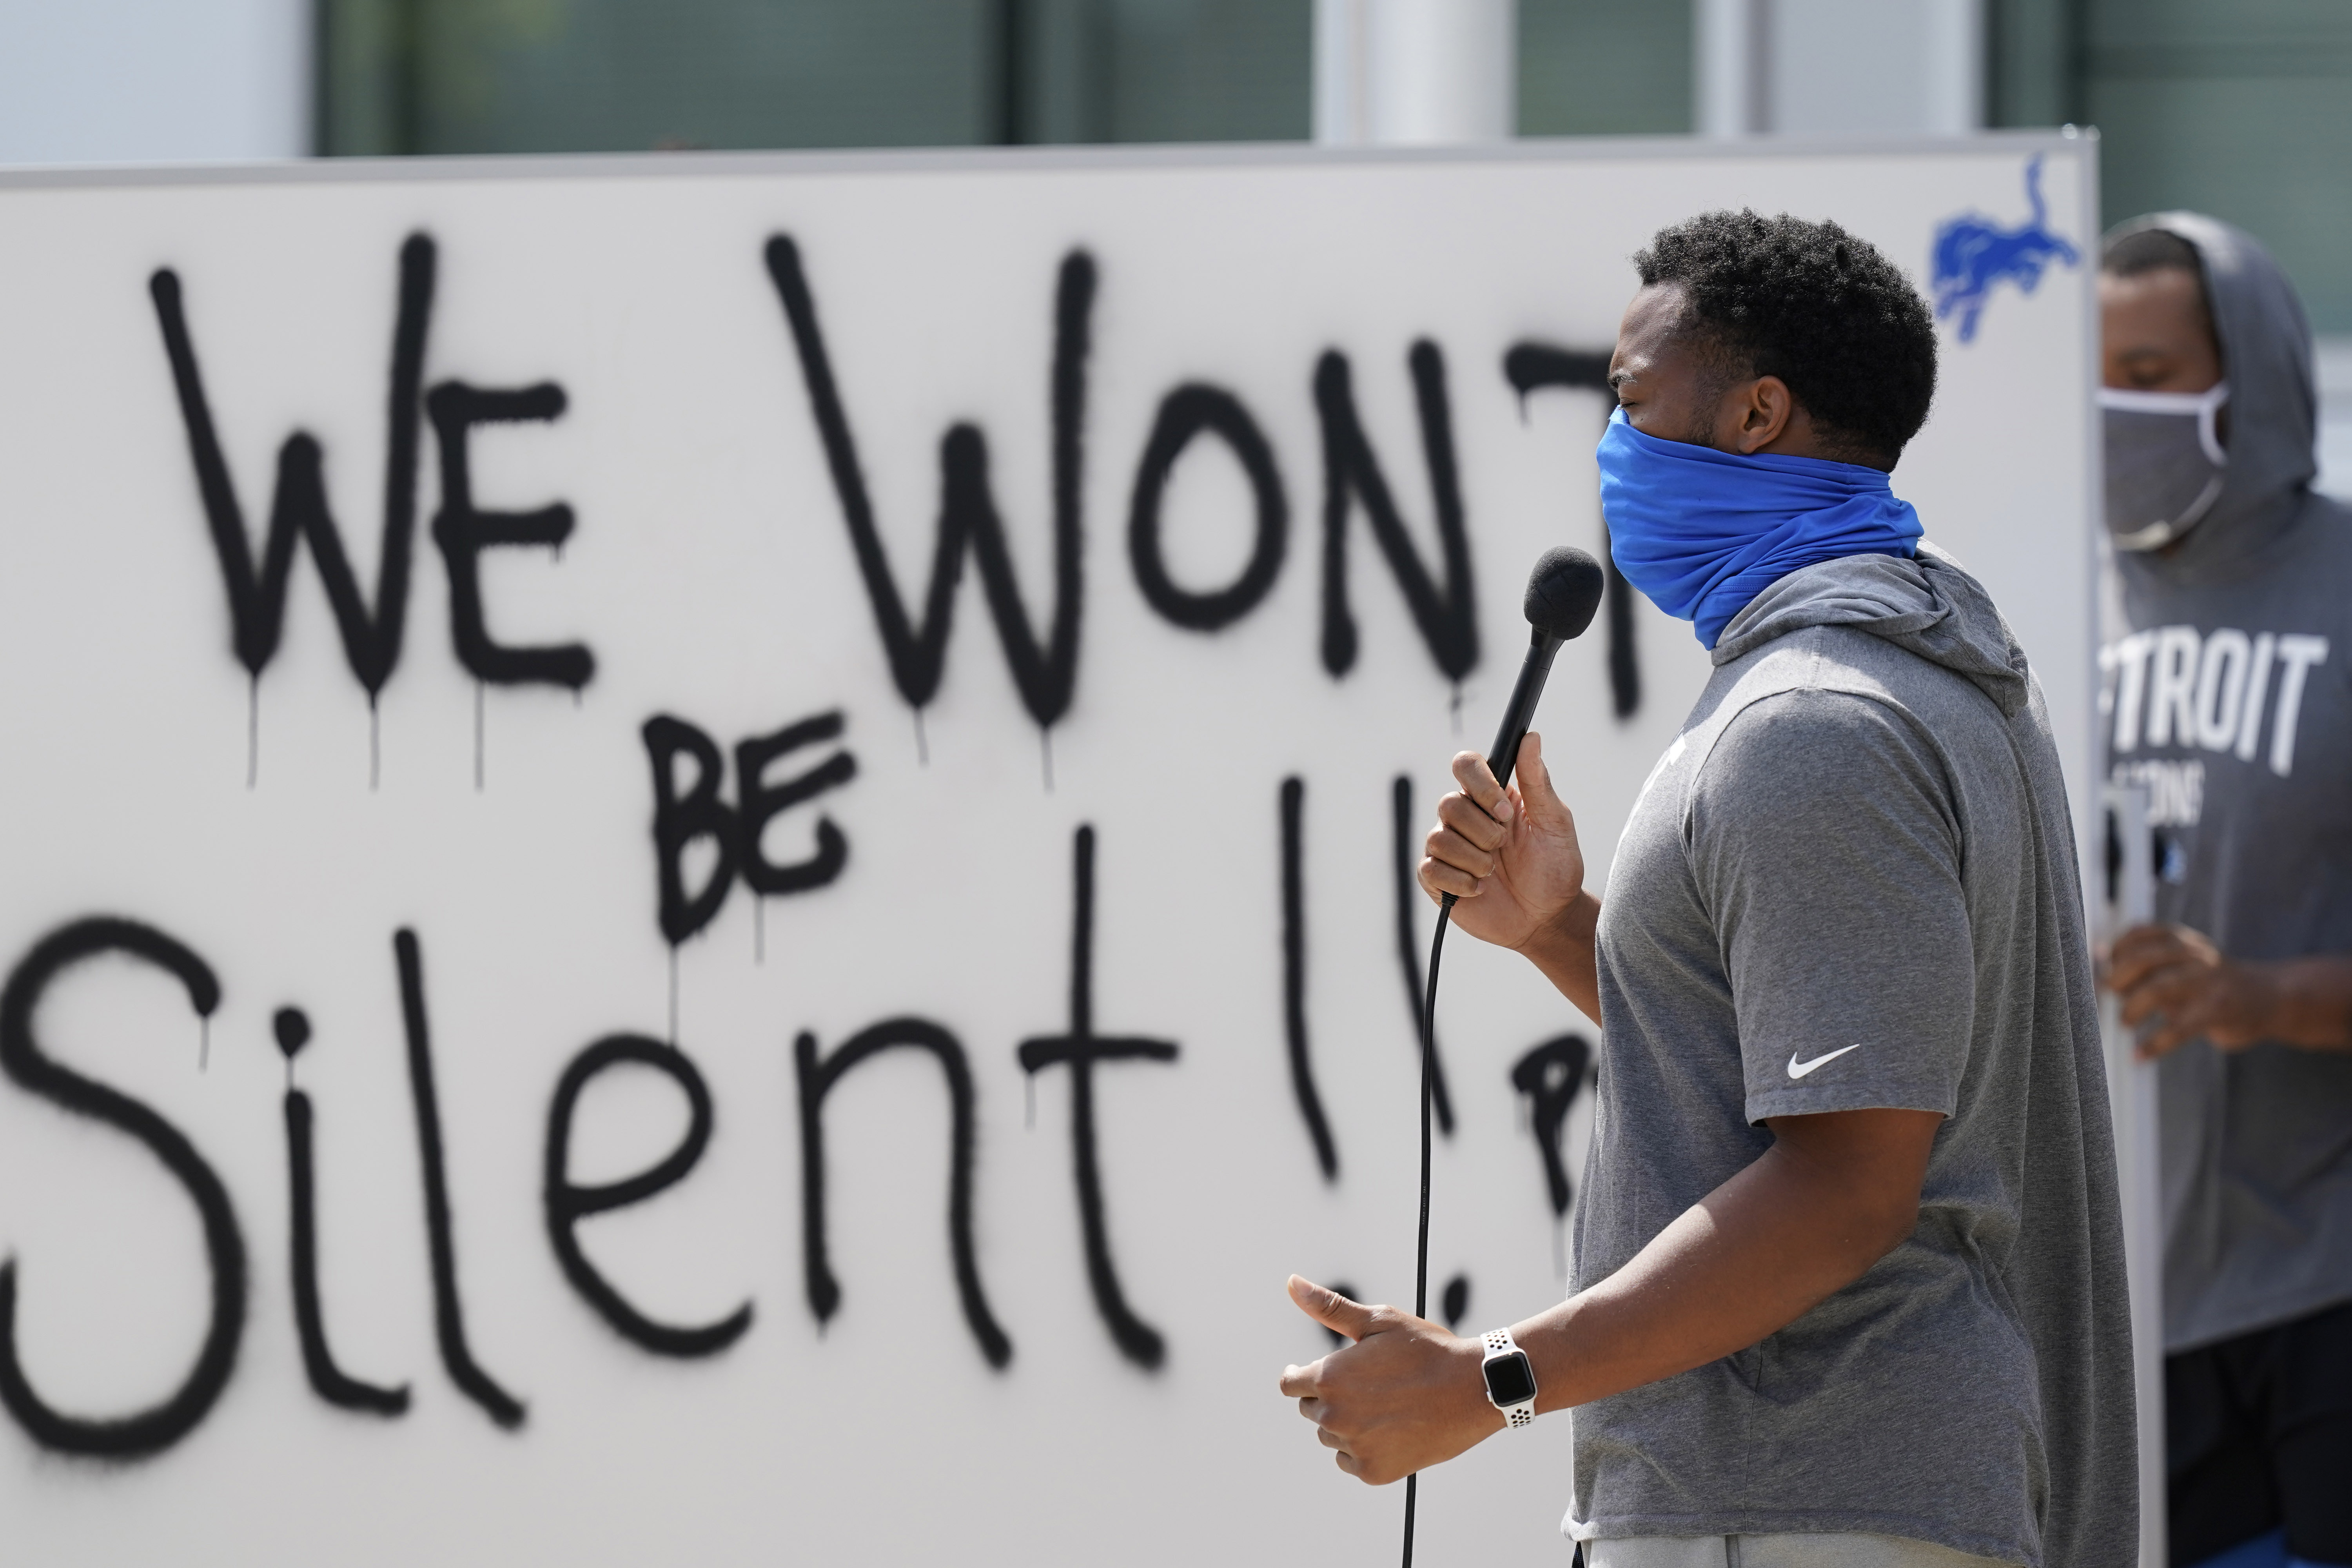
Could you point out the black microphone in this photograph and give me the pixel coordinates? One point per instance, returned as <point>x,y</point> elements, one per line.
<point>1563,592</point>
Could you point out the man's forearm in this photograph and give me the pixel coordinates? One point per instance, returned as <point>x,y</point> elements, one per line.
<point>1835,1193</point>
<point>1749,1259</point>
<point>2310,1001</point>
<point>1563,951</point>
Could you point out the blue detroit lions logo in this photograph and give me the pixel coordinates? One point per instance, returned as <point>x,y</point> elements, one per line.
<point>1973,253</point>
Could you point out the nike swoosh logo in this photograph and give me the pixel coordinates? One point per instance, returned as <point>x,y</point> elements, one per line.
<point>1798,1069</point>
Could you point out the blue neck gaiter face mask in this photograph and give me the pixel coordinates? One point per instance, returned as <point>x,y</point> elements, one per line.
<point>1702,532</point>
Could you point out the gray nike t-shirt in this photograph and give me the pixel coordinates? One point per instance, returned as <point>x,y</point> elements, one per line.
<point>1851,884</point>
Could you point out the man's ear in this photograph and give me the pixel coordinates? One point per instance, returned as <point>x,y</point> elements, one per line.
<point>1764,413</point>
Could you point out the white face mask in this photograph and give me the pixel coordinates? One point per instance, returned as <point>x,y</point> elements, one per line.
<point>2165,462</point>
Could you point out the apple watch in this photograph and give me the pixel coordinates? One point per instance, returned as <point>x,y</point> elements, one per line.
<point>1510,1378</point>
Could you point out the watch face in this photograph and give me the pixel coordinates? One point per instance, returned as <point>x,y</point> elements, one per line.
<point>1510,1380</point>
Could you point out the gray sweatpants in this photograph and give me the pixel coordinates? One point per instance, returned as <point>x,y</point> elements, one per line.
<point>1776,1551</point>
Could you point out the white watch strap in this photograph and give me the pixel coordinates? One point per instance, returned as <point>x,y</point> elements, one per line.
<point>1499,1342</point>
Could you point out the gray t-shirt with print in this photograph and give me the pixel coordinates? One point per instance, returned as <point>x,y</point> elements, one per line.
<point>1851,883</point>
<point>2229,697</point>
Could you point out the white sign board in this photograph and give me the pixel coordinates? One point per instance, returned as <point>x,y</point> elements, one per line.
<point>706,859</point>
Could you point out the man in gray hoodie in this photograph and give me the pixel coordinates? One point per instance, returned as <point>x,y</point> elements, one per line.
<point>1848,1285</point>
<point>2230,701</point>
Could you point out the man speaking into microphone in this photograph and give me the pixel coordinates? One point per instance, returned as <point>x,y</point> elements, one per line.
<point>1848,1285</point>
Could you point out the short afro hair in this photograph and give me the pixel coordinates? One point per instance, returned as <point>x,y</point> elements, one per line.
<point>1815,306</point>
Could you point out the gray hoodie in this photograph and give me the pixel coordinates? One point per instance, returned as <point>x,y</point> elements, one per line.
<point>1851,883</point>
<point>2229,697</point>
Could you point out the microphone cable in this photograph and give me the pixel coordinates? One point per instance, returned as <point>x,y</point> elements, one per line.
<point>1563,592</point>
<point>1428,1099</point>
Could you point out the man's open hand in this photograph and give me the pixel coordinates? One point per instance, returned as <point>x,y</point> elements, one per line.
<point>1406,1395</point>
